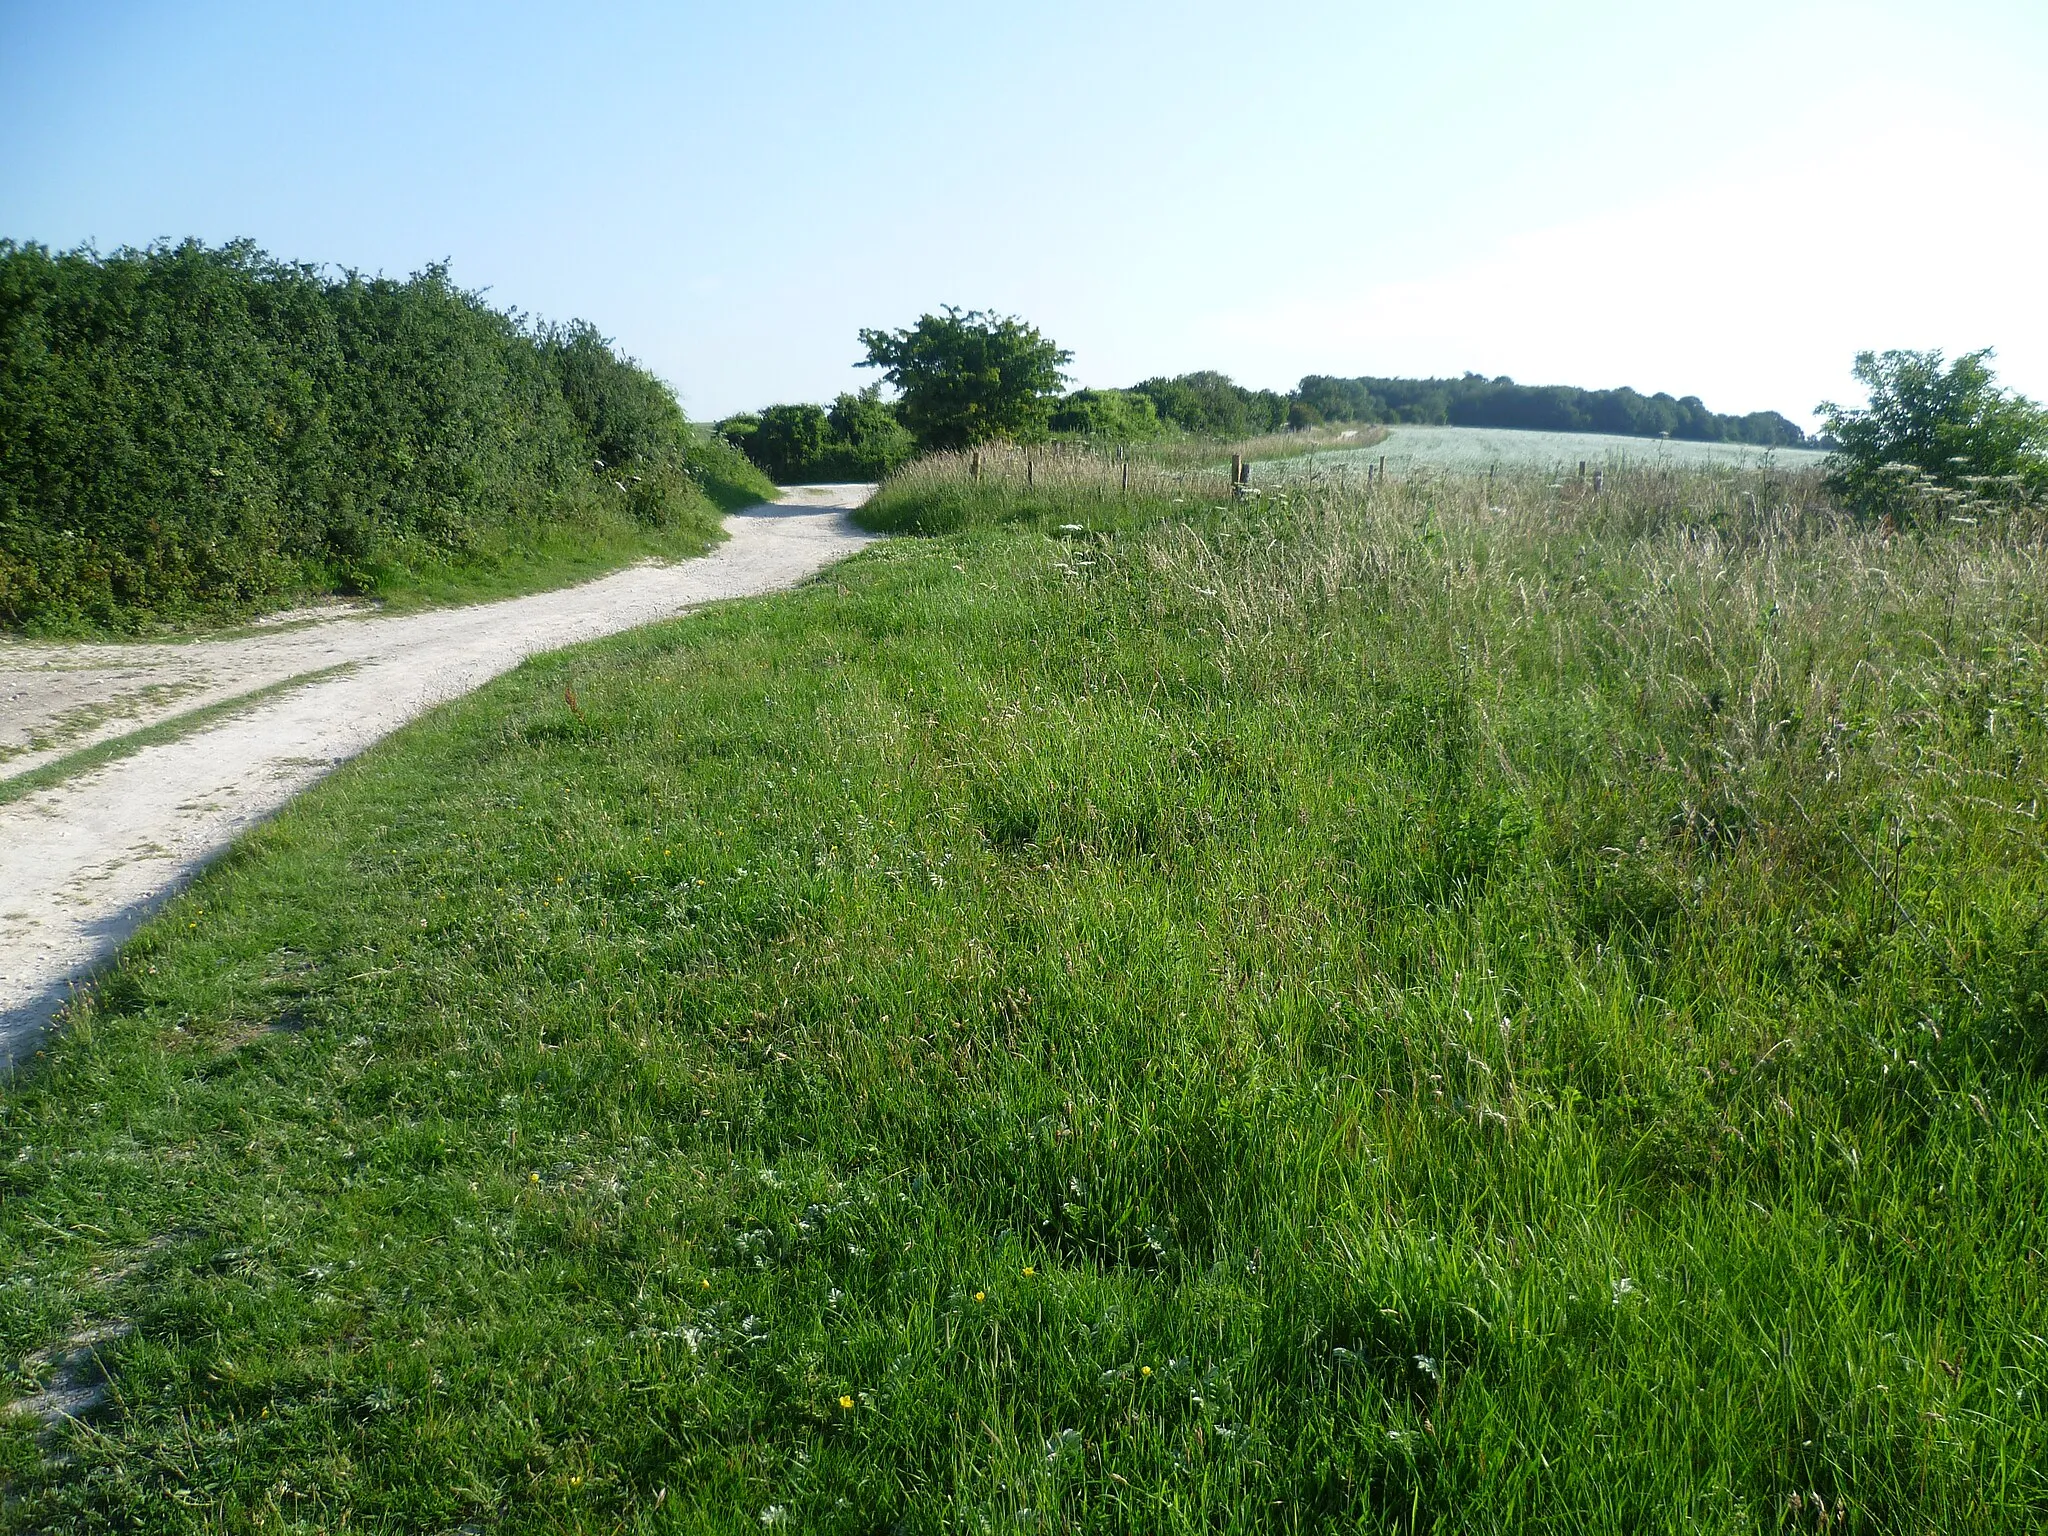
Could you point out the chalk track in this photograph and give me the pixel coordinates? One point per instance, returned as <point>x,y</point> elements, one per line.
<point>84,861</point>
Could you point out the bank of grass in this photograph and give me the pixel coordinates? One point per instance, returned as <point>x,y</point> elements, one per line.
<point>1392,1011</point>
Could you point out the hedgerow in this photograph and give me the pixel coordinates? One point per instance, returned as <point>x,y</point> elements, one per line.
<point>191,431</point>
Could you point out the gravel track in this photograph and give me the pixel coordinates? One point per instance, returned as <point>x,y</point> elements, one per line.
<point>85,861</point>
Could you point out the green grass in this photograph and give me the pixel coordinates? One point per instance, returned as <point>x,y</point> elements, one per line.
<point>1356,1012</point>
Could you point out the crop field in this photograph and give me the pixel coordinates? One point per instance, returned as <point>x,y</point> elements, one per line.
<point>1408,448</point>
<point>1444,1007</point>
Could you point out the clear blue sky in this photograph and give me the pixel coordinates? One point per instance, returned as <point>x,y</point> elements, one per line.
<point>1725,199</point>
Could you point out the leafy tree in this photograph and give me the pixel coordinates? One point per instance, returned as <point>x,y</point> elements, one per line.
<point>1106,415</point>
<point>1952,427</point>
<point>967,377</point>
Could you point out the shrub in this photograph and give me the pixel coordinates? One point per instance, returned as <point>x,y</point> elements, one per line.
<point>869,435</point>
<point>1930,428</point>
<point>1210,404</point>
<point>859,438</point>
<point>789,438</point>
<point>1106,415</point>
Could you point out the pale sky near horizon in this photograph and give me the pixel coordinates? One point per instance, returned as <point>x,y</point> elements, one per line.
<point>1725,199</point>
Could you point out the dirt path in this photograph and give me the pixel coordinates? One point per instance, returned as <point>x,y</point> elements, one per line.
<point>86,860</point>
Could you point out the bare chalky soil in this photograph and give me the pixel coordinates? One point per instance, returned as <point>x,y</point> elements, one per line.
<point>85,860</point>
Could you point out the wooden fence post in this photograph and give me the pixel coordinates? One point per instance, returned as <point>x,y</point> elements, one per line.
<point>1236,475</point>
<point>1028,481</point>
<point>974,465</point>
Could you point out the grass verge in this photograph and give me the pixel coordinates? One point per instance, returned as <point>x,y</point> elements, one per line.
<point>1397,1011</point>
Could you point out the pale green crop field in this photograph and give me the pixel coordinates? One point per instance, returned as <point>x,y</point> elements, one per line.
<point>1420,448</point>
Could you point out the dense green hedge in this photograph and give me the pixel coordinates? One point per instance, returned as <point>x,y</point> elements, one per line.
<point>188,431</point>
<point>861,437</point>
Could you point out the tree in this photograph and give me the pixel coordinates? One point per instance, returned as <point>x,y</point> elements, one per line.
<point>1953,428</point>
<point>967,377</point>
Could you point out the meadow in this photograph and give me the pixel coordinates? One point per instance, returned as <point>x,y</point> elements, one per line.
<point>1438,1007</point>
<point>1430,448</point>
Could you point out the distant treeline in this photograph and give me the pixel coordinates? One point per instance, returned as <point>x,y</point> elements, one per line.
<point>1212,405</point>
<point>1476,401</point>
<point>861,438</point>
<point>187,430</point>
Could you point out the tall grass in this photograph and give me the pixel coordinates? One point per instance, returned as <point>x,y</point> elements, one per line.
<point>1429,1008</point>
